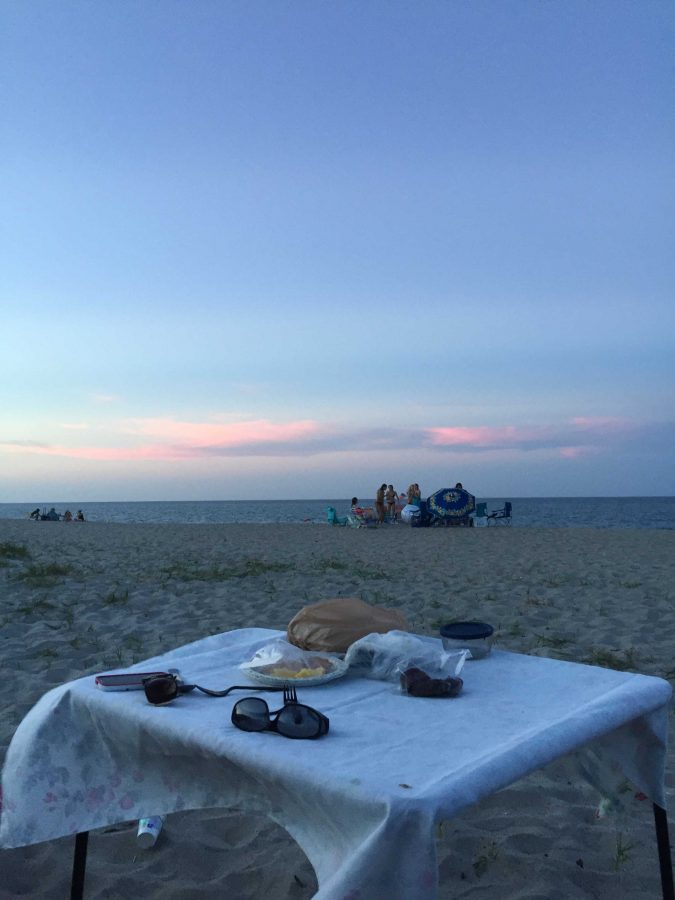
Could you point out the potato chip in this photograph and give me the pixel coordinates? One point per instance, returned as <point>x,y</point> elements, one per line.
<point>284,672</point>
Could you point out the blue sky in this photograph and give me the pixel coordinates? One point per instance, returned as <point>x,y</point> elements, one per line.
<point>271,249</point>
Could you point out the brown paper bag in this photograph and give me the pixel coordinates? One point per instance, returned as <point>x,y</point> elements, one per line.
<point>334,624</point>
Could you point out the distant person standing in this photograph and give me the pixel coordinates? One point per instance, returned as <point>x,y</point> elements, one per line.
<point>414,495</point>
<point>379,503</point>
<point>391,497</point>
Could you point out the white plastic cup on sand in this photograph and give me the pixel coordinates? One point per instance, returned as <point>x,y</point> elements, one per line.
<point>148,831</point>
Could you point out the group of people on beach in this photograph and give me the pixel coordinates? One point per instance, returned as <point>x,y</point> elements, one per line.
<point>385,494</point>
<point>53,516</point>
<point>388,502</point>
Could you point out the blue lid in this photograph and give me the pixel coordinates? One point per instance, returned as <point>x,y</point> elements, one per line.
<point>466,631</point>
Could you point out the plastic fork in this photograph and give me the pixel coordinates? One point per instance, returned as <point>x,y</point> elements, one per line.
<point>290,694</point>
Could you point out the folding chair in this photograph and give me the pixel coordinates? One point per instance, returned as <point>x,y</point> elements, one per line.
<point>500,516</point>
<point>479,518</point>
<point>333,518</point>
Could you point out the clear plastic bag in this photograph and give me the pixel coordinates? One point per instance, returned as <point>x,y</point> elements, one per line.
<point>279,661</point>
<point>387,656</point>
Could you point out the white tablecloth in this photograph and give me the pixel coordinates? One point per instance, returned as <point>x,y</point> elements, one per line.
<point>362,801</point>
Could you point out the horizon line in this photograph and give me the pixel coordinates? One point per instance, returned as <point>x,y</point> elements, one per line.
<point>326,499</point>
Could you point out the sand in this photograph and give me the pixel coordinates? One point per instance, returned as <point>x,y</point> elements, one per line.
<point>76,598</point>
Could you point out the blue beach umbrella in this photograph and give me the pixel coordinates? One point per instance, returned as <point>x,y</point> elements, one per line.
<point>451,503</point>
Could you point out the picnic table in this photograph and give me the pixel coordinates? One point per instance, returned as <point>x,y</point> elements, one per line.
<point>363,801</point>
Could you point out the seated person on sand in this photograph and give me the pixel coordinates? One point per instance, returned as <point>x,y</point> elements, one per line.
<point>80,516</point>
<point>360,513</point>
<point>67,516</point>
<point>52,516</point>
<point>35,514</point>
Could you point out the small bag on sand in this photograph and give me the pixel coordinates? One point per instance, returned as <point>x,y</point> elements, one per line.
<point>333,625</point>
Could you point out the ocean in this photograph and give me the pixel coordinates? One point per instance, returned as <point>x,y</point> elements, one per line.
<point>528,512</point>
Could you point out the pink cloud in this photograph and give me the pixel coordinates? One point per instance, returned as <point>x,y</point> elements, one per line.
<point>574,452</point>
<point>571,439</point>
<point>103,453</point>
<point>478,436</point>
<point>166,439</point>
<point>600,424</point>
<point>209,434</point>
<point>183,440</point>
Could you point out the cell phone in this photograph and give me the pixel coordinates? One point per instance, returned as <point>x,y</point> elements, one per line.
<point>124,681</point>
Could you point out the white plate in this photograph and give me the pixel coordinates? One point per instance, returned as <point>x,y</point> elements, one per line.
<point>340,668</point>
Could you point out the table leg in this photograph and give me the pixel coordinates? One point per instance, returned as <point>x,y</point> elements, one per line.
<point>665,861</point>
<point>79,865</point>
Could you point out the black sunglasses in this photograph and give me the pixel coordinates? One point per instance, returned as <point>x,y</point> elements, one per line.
<point>293,720</point>
<point>162,689</point>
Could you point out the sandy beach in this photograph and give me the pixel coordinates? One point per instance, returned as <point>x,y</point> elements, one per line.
<point>78,598</point>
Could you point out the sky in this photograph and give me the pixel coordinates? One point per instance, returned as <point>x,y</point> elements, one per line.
<point>272,249</point>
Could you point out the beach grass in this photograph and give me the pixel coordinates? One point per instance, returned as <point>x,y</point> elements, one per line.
<point>43,574</point>
<point>10,550</point>
<point>246,568</point>
<point>621,661</point>
<point>115,599</point>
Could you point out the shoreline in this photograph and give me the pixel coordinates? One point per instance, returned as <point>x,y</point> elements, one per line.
<point>626,512</point>
<point>104,595</point>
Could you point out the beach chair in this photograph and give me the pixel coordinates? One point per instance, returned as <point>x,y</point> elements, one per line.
<point>333,518</point>
<point>480,516</point>
<point>500,516</point>
<point>364,518</point>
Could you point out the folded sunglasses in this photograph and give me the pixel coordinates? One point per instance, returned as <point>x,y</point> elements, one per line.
<point>293,720</point>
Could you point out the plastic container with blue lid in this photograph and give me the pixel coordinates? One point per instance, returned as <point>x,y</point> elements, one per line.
<point>476,637</point>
